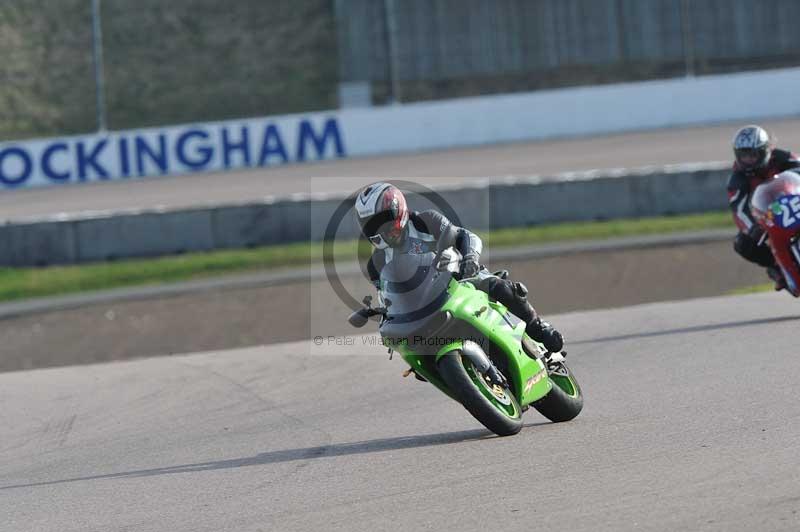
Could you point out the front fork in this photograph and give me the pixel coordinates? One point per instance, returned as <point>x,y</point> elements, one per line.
<point>528,380</point>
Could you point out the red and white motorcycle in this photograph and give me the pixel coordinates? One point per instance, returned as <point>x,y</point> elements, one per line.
<point>776,208</point>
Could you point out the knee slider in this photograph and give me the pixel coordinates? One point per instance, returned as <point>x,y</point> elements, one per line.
<point>745,246</point>
<point>748,248</point>
<point>503,274</point>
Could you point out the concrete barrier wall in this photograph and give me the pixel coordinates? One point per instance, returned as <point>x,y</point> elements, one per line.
<point>518,203</point>
<point>679,192</point>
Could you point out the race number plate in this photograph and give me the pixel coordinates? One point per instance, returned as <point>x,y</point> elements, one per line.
<point>786,212</point>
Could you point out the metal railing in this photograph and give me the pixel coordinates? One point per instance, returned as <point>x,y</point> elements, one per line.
<point>419,48</point>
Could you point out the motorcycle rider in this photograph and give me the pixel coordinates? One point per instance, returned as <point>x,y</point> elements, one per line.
<point>756,161</point>
<point>391,228</point>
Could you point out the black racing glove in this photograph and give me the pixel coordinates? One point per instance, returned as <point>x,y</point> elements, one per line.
<point>469,266</point>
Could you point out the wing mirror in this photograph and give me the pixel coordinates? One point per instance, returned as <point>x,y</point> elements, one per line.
<point>360,317</point>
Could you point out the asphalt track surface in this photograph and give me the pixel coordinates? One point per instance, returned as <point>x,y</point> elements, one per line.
<point>691,422</point>
<point>630,150</point>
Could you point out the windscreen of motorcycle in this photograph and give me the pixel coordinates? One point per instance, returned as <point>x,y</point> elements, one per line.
<point>777,202</point>
<point>413,288</point>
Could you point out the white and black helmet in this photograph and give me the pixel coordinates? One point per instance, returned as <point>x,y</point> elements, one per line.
<point>752,147</point>
<point>382,214</point>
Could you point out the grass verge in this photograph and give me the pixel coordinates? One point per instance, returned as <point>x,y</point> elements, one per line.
<point>766,287</point>
<point>21,283</point>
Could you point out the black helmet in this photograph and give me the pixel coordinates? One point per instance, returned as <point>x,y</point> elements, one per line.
<point>382,214</point>
<point>752,146</point>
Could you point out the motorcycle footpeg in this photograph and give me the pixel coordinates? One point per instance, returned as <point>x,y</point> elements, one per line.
<point>410,371</point>
<point>531,349</point>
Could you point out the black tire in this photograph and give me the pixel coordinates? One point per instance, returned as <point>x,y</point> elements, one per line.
<point>562,403</point>
<point>452,370</point>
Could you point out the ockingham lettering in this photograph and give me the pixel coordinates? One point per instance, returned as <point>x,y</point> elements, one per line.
<point>167,151</point>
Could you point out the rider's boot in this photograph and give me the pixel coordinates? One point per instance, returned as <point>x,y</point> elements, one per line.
<point>546,334</point>
<point>538,329</point>
<point>776,275</point>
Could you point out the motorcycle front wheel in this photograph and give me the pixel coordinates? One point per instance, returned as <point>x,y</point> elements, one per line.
<point>495,407</point>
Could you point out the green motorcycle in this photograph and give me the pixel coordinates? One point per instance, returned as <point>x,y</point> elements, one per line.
<point>470,347</point>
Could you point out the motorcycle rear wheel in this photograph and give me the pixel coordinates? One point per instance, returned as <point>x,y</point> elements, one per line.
<point>496,409</point>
